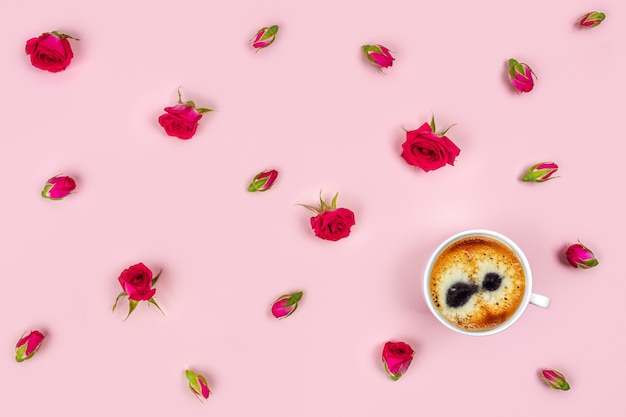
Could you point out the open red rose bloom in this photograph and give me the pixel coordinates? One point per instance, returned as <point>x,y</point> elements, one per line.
<point>136,281</point>
<point>427,150</point>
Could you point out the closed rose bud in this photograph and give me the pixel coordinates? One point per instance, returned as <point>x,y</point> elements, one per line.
<point>397,357</point>
<point>198,385</point>
<point>285,305</point>
<point>378,55</point>
<point>541,172</point>
<point>264,37</point>
<point>580,256</point>
<point>263,181</point>
<point>27,346</point>
<point>591,19</point>
<point>521,76</point>
<point>58,187</point>
<point>555,379</point>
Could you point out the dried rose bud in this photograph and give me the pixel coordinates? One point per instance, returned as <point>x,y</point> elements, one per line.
<point>28,345</point>
<point>198,385</point>
<point>58,187</point>
<point>555,379</point>
<point>580,256</point>
<point>264,37</point>
<point>285,305</point>
<point>541,172</point>
<point>397,357</point>
<point>263,181</point>
<point>521,76</point>
<point>378,55</point>
<point>591,19</point>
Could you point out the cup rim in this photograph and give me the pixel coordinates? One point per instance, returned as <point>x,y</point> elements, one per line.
<point>494,235</point>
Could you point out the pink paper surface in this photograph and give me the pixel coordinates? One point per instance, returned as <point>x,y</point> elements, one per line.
<point>313,108</point>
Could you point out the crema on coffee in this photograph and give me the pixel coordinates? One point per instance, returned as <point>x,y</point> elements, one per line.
<point>477,283</point>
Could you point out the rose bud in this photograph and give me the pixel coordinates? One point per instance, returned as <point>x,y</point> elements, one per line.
<point>285,305</point>
<point>198,385</point>
<point>263,181</point>
<point>428,150</point>
<point>181,120</point>
<point>264,37</point>
<point>28,345</point>
<point>580,256</point>
<point>555,379</point>
<point>137,283</point>
<point>330,222</point>
<point>378,55</point>
<point>591,19</point>
<point>521,76</point>
<point>541,172</point>
<point>397,357</point>
<point>50,52</point>
<point>58,187</point>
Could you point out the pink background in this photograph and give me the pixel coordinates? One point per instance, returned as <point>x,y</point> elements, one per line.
<point>313,108</point>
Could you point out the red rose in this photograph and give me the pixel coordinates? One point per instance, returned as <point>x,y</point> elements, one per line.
<point>51,51</point>
<point>397,357</point>
<point>333,224</point>
<point>427,150</point>
<point>180,121</point>
<point>136,281</point>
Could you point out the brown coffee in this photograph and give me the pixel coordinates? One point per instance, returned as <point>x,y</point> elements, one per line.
<point>477,283</point>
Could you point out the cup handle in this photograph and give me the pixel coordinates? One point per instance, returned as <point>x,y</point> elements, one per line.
<point>539,300</point>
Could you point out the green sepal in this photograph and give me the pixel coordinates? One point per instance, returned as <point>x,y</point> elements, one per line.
<point>333,203</point>
<point>323,204</point>
<point>122,294</point>
<point>394,377</point>
<point>274,29</point>
<point>589,263</point>
<point>132,305</point>
<point>446,130</point>
<point>432,124</point>
<point>191,104</point>
<point>44,192</point>
<point>151,301</point>
<point>252,188</point>
<point>19,354</point>
<point>203,110</point>
<point>180,96</point>
<point>313,209</point>
<point>63,35</point>
<point>155,279</point>
<point>293,299</point>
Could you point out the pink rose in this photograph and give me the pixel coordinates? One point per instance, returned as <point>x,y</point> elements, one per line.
<point>264,37</point>
<point>591,19</point>
<point>397,357</point>
<point>28,345</point>
<point>427,150</point>
<point>286,304</point>
<point>378,55</point>
<point>50,51</point>
<point>521,76</point>
<point>580,256</point>
<point>263,181</point>
<point>198,385</point>
<point>181,121</point>
<point>554,379</point>
<point>58,187</point>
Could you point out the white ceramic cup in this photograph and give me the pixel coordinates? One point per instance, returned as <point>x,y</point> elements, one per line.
<point>529,296</point>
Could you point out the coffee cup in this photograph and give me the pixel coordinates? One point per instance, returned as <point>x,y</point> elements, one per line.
<point>478,282</point>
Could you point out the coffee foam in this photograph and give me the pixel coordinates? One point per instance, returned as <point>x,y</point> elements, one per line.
<point>469,260</point>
